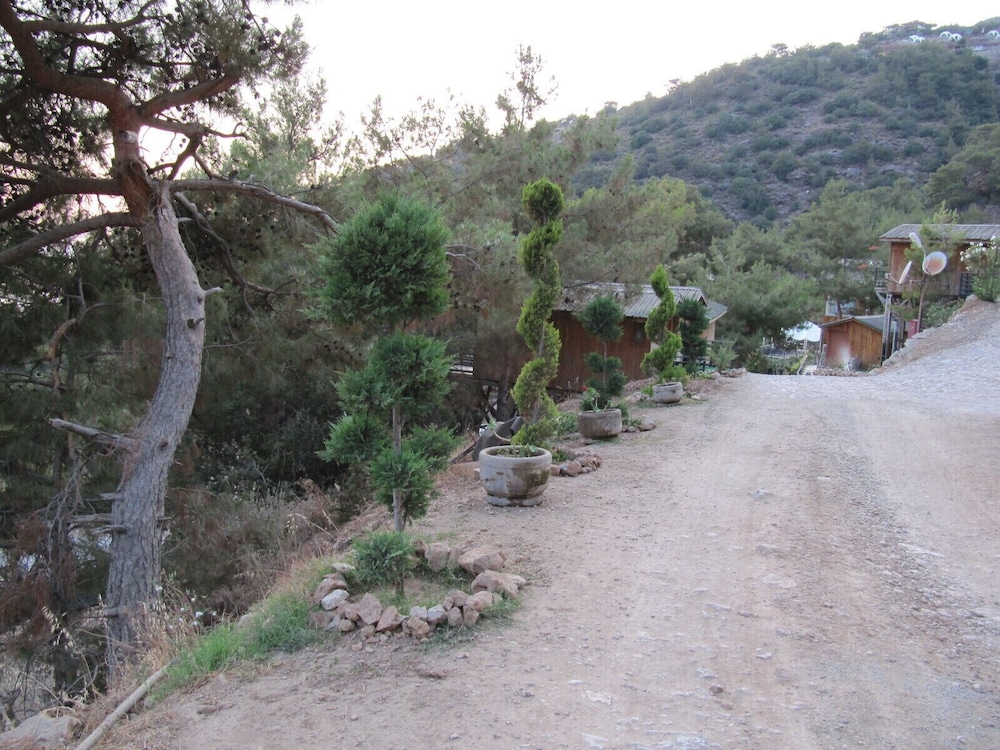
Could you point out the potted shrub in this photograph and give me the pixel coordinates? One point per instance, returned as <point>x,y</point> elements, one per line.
<point>602,318</point>
<point>501,467</point>
<point>660,363</point>
<point>693,322</point>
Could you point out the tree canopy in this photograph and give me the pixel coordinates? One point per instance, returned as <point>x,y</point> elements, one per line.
<point>82,87</point>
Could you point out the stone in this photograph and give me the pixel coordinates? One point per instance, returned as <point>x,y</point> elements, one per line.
<point>470,616</point>
<point>349,610</point>
<point>420,612</point>
<point>346,625</point>
<point>437,556</point>
<point>366,632</point>
<point>478,559</point>
<point>456,597</point>
<point>480,600</point>
<point>436,615</point>
<point>330,583</point>
<point>418,628</point>
<point>458,550</point>
<point>370,609</point>
<point>42,731</point>
<point>320,620</point>
<point>331,600</point>
<point>343,568</point>
<point>388,620</point>
<point>571,469</point>
<point>455,618</point>
<point>507,584</point>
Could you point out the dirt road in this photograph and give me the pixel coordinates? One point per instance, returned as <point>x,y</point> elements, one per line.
<point>795,563</point>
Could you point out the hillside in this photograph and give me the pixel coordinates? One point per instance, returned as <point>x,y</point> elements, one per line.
<point>762,137</point>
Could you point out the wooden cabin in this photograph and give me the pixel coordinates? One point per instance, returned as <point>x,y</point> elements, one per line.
<point>854,342</point>
<point>637,301</point>
<point>955,280</point>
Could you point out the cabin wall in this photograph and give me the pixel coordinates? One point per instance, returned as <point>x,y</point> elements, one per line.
<point>852,341</point>
<point>577,343</point>
<point>949,282</point>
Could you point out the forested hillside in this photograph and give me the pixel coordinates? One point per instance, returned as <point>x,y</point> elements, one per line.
<point>763,137</point>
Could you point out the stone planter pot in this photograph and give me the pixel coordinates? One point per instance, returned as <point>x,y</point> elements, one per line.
<point>513,480</point>
<point>600,424</point>
<point>668,393</point>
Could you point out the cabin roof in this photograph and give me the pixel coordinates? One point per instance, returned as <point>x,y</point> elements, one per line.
<point>967,232</point>
<point>637,300</point>
<point>875,322</point>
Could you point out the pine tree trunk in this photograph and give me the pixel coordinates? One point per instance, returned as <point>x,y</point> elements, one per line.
<point>134,574</point>
<point>397,446</point>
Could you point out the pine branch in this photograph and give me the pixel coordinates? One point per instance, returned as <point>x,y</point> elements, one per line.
<point>93,434</point>
<point>16,252</point>
<point>50,184</point>
<point>258,191</point>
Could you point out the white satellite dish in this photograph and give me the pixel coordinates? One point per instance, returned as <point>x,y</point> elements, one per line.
<point>915,239</point>
<point>934,263</point>
<point>906,272</point>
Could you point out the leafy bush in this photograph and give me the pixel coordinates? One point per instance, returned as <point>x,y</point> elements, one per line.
<point>722,354</point>
<point>862,152</point>
<point>938,313</point>
<point>639,139</point>
<point>983,261</point>
<point>567,423</point>
<point>783,165</point>
<point>654,125</point>
<point>799,97</point>
<point>382,558</point>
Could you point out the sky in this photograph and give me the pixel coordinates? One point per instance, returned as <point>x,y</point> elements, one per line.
<point>617,51</point>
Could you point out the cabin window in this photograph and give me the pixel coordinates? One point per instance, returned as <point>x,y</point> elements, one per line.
<point>638,335</point>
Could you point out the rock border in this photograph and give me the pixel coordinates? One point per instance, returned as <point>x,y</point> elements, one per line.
<point>339,611</point>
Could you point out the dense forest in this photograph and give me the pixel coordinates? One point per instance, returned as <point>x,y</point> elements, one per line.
<point>767,183</point>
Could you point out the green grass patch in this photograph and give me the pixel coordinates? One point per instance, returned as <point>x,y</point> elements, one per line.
<point>280,622</point>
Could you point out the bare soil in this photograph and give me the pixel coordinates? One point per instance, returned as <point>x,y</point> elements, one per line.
<point>791,563</point>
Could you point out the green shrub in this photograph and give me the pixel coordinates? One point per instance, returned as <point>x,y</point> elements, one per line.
<point>722,354</point>
<point>983,261</point>
<point>567,423</point>
<point>382,558</point>
<point>654,125</point>
<point>639,139</point>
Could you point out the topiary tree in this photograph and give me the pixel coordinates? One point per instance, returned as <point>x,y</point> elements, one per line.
<point>603,318</point>
<point>659,362</point>
<point>543,200</point>
<point>385,269</point>
<point>693,322</point>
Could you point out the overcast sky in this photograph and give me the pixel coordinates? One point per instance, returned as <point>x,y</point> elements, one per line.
<point>612,51</point>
